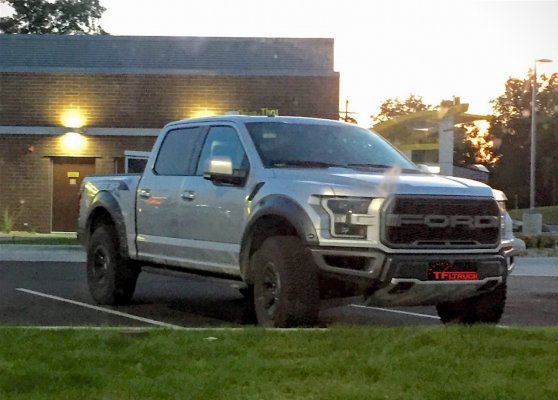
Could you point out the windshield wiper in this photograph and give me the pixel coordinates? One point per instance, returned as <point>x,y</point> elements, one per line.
<point>380,166</point>
<point>303,164</point>
<point>364,165</point>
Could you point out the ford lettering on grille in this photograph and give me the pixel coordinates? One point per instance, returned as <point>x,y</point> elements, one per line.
<point>443,221</point>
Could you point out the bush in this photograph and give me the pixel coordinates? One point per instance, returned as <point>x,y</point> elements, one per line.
<point>540,241</point>
<point>546,242</point>
<point>7,221</point>
<point>530,241</point>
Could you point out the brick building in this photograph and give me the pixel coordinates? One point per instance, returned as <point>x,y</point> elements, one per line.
<point>71,105</point>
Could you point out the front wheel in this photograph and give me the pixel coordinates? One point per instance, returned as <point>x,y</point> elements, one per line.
<point>286,290</point>
<point>484,308</point>
<point>111,277</point>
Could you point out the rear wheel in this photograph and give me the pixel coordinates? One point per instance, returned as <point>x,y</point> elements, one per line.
<point>111,277</point>
<point>286,291</point>
<point>485,308</point>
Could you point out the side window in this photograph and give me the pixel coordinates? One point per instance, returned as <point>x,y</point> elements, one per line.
<point>175,153</point>
<point>223,141</point>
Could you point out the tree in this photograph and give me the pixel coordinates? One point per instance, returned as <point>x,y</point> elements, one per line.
<point>391,108</point>
<point>68,17</point>
<point>477,146</point>
<point>512,126</point>
<point>410,133</point>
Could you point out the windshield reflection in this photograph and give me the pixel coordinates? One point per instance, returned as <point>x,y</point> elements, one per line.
<point>307,145</point>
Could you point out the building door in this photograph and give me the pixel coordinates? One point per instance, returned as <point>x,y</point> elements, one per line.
<point>67,175</point>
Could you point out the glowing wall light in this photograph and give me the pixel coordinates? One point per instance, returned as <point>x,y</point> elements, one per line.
<point>73,142</point>
<point>204,112</point>
<point>73,118</point>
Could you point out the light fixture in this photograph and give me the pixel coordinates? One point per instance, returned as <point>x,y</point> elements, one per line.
<point>73,141</point>
<point>73,118</point>
<point>203,112</point>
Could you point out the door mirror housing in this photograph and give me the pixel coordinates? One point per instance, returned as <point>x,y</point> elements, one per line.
<point>219,169</point>
<point>424,169</point>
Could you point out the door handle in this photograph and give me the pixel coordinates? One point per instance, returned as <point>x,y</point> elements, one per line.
<point>188,195</point>
<point>144,193</point>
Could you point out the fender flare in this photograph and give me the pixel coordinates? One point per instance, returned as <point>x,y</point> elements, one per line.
<point>277,206</point>
<point>105,200</point>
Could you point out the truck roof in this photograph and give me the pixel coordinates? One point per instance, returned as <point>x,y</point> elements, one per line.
<point>258,118</point>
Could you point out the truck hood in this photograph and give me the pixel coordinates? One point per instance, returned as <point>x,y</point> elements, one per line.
<point>348,182</point>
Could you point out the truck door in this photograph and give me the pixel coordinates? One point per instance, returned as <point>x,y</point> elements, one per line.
<point>158,196</point>
<point>215,213</point>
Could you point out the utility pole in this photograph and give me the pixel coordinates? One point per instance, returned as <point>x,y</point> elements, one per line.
<point>346,113</point>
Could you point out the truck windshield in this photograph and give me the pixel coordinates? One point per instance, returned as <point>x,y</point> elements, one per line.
<point>302,145</point>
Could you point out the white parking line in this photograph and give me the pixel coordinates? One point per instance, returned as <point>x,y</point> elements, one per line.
<point>101,309</point>
<point>396,311</point>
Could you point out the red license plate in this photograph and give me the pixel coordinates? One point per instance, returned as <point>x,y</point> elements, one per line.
<point>447,271</point>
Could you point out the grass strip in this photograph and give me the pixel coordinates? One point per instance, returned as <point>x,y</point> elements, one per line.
<point>549,214</point>
<point>481,362</point>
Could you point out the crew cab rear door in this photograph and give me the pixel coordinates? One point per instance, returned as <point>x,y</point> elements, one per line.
<point>159,194</point>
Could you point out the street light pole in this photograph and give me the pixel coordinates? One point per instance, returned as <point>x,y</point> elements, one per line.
<point>532,221</point>
<point>534,135</point>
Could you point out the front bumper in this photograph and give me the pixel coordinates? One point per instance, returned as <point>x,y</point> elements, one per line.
<point>403,279</point>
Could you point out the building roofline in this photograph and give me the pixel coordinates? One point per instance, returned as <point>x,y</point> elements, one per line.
<point>159,71</point>
<point>174,55</point>
<point>54,36</point>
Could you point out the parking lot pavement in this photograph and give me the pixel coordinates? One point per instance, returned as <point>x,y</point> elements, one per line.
<point>56,294</point>
<point>536,266</point>
<point>46,286</point>
<point>33,253</point>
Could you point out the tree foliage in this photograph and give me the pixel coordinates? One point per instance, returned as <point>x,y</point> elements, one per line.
<point>512,127</point>
<point>409,133</point>
<point>59,17</point>
<point>391,108</point>
<point>479,144</point>
<point>467,151</point>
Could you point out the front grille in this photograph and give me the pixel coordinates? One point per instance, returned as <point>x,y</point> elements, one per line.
<point>440,222</point>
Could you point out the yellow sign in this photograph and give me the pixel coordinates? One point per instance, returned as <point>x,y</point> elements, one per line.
<point>73,174</point>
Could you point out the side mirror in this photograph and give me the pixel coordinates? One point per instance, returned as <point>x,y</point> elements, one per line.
<point>424,169</point>
<point>218,165</point>
<point>219,169</point>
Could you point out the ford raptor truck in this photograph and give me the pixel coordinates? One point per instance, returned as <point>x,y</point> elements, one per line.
<point>297,210</point>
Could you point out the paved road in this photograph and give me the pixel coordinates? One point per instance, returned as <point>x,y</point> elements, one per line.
<point>21,252</point>
<point>55,293</point>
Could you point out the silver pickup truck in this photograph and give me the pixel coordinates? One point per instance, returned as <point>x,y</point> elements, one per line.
<point>298,210</point>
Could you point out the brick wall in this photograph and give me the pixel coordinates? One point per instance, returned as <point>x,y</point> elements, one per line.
<point>125,101</point>
<point>25,171</point>
<point>150,101</point>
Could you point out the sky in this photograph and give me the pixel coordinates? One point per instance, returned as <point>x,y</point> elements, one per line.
<point>383,48</point>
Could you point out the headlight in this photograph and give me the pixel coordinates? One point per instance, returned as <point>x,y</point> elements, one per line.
<point>502,206</point>
<point>347,216</point>
<point>501,199</point>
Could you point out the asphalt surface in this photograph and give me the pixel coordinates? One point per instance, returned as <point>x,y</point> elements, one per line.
<point>21,252</point>
<point>46,286</point>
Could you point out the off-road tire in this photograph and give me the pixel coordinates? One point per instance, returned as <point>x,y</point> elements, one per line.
<point>111,277</point>
<point>286,289</point>
<point>485,308</point>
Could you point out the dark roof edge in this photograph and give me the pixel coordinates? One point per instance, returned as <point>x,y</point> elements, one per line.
<point>156,71</point>
<point>16,36</point>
